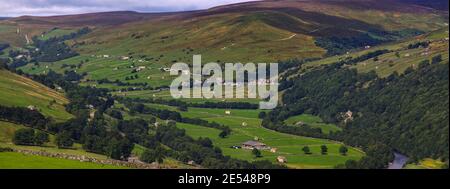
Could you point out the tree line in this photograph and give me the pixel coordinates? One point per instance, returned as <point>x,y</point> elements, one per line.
<point>404,112</point>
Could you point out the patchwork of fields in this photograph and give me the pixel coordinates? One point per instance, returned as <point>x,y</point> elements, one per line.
<point>287,145</point>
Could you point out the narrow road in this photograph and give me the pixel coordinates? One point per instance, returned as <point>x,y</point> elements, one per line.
<point>287,38</point>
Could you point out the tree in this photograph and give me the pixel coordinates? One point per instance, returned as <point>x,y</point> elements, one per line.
<point>119,149</point>
<point>223,134</point>
<point>183,108</point>
<point>436,59</point>
<point>40,138</point>
<point>63,140</point>
<point>24,137</point>
<point>306,150</point>
<point>323,149</point>
<point>256,153</point>
<point>351,164</point>
<point>262,115</point>
<point>343,150</point>
<point>150,156</point>
<point>206,142</point>
<point>116,114</point>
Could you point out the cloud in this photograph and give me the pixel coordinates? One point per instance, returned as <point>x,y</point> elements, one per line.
<point>12,8</point>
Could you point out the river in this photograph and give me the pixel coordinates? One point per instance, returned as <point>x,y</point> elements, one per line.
<point>399,161</point>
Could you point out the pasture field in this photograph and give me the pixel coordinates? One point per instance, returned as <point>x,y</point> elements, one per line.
<point>112,68</point>
<point>7,132</point>
<point>56,32</point>
<point>20,91</point>
<point>287,145</point>
<point>426,163</point>
<point>13,160</point>
<point>222,38</point>
<point>165,94</point>
<point>400,59</point>
<point>168,161</point>
<point>313,121</point>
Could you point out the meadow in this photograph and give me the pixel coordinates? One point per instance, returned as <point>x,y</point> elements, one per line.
<point>13,160</point>
<point>313,121</point>
<point>112,68</point>
<point>20,91</point>
<point>287,145</point>
<point>399,59</point>
<point>7,132</point>
<point>56,32</point>
<point>426,163</point>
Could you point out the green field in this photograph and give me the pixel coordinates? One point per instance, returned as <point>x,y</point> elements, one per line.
<point>389,63</point>
<point>287,145</point>
<point>13,160</point>
<point>313,121</point>
<point>7,132</point>
<point>19,91</point>
<point>426,163</point>
<point>165,94</point>
<point>56,32</point>
<point>112,68</point>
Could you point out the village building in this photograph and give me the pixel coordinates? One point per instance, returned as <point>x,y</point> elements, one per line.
<point>228,112</point>
<point>124,58</point>
<point>254,145</point>
<point>348,116</point>
<point>273,150</point>
<point>32,108</point>
<point>281,159</point>
<point>140,68</point>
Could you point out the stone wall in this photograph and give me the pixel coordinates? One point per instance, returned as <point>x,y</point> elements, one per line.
<point>132,164</point>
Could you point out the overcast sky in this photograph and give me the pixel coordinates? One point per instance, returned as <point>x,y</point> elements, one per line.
<point>12,8</point>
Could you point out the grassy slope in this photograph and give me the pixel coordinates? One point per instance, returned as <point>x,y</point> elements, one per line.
<point>265,32</point>
<point>13,160</point>
<point>56,32</point>
<point>426,163</point>
<point>287,145</point>
<point>20,91</point>
<point>389,62</point>
<point>7,132</point>
<point>313,121</point>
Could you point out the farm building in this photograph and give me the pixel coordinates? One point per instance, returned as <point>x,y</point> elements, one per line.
<point>254,144</point>
<point>281,159</point>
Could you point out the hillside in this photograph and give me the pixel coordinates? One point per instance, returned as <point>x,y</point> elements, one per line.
<point>20,91</point>
<point>263,31</point>
<point>260,30</point>
<point>401,54</point>
<point>367,77</point>
<point>384,98</point>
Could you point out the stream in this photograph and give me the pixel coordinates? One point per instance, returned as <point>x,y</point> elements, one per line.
<point>399,161</point>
